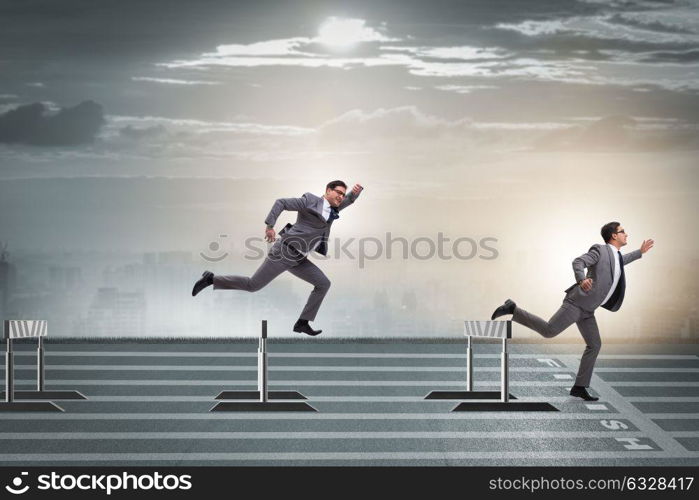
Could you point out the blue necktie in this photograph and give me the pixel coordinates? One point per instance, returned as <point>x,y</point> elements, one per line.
<point>334,214</point>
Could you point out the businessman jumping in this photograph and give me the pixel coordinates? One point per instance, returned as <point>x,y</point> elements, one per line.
<point>604,285</point>
<point>290,252</point>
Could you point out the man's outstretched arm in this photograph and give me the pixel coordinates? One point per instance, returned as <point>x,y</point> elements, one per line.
<point>637,254</point>
<point>351,197</point>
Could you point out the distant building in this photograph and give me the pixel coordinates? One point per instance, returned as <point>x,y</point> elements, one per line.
<point>65,278</point>
<point>173,258</point>
<point>8,281</point>
<point>116,314</point>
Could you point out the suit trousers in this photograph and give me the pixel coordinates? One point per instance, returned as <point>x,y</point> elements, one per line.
<point>568,314</point>
<point>281,258</point>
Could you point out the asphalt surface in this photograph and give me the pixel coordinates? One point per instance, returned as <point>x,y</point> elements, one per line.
<point>149,404</point>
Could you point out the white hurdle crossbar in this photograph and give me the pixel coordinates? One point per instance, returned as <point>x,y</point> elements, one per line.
<point>20,329</point>
<point>495,330</point>
<point>489,329</point>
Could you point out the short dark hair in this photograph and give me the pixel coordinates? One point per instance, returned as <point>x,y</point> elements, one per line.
<point>334,184</point>
<point>608,230</point>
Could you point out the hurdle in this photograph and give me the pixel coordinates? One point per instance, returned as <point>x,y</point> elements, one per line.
<point>489,329</point>
<point>14,329</point>
<point>23,329</point>
<point>259,400</point>
<point>497,329</point>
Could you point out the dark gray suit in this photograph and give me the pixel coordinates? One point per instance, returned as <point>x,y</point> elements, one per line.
<point>578,306</point>
<point>289,253</point>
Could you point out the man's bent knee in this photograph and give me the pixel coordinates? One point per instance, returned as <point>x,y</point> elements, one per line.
<point>254,286</point>
<point>551,332</point>
<point>323,285</point>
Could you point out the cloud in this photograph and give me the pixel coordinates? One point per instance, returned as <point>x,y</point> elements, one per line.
<point>686,56</point>
<point>607,133</point>
<point>338,31</point>
<point>465,89</point>
<point>424,60</point>
<point>335,33</point>
<point>536,28</point>
<point>618,48</point>
<point>400,122</point>
<point>268,48</point>
<point>455,53</point>
<point>126,138</point>
<point>524,67</point>
<point>252,62</point>
<point>656,27</point>
<point>172,81</point>
<point>33,124</point>
<point>644,22</point>
<point>408,129</point>
<point>629,69</point>
<point>137,134</point>
<point>622,133</point>
<point>200,127</point>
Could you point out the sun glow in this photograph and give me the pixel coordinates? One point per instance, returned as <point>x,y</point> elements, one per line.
<point>346,32</point>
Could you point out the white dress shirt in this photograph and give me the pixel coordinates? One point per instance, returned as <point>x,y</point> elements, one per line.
<point>617,272</point>
<point>326,209</point>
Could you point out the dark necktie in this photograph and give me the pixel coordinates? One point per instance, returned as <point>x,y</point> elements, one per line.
<point>334,214</point>
<point>323,245</point>
<point>621,264</point>
<point>614,302</point>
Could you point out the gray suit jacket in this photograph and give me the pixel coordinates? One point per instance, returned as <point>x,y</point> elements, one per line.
<point>598,261</point>
<point>311,230</point>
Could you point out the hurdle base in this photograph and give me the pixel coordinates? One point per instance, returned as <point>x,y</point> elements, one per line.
<point>502,406</point>
<point>255,395</point>
<point>466,395</point>
<point>30,406</point>
<point>258,406</point>
<point>45,395</point>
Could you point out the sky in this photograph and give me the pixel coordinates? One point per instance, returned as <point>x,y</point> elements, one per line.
<point>154,125</point>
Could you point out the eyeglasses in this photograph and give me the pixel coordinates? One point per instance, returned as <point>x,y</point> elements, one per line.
<point>342,193</point>
<point>620,231</point>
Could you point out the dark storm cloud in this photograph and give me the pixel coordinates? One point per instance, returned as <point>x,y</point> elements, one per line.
<point>581,45</point>
<point>88,29</point>
<point>109,50</point>
<point>649,26</point>
<point>675,57</point>
<point>33,124</point>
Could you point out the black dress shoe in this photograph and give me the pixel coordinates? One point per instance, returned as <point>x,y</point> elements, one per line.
<point>507,308</point>
<point>207,279</point>
<point>580,392</point>
<point>302,326</point>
